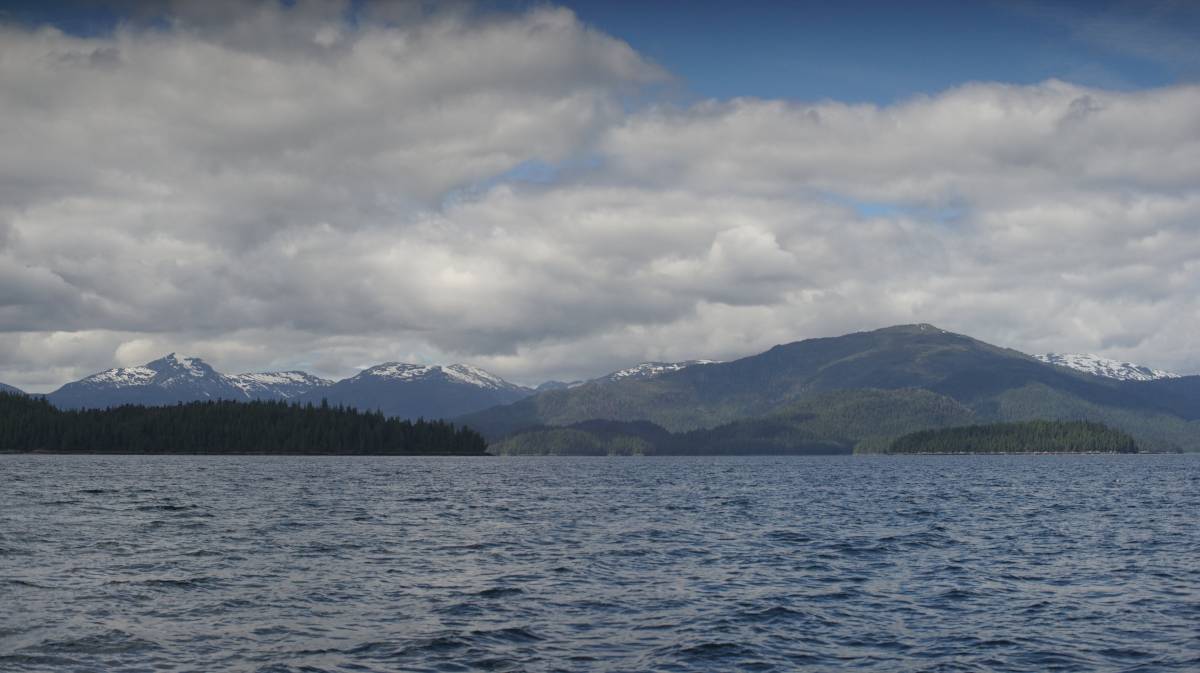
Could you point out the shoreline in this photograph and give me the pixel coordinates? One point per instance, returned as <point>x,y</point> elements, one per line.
<point>1017,453</point>
<point>234,453</point>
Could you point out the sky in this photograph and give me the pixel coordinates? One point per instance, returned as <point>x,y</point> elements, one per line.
<point>554,191</point>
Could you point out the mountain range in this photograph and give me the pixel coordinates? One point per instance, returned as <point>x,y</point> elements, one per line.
<point>397,389</point>
<point>173,379</point>
<point>849,393</point>
<point>837,394</point>
<point>420,391</point>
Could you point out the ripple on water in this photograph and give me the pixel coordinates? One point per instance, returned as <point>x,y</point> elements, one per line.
<point>123,563</point>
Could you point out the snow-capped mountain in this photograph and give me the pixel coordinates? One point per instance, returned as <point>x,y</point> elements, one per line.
<point>650,370</point>
<point>1099,366</point>
<point>277,385</point>
<point>166,380</point>
<point>420,391</point>
<point>396,388</point>
<point>464,374</point>
<point>173,379</point>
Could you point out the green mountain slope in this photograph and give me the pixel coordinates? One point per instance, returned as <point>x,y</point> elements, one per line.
<point>1180,397</point>
<point>829,423</point>
<point>1154,429</point>
<point>986,382</point>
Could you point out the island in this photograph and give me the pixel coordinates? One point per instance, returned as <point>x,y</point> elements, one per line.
<point>32,425</point>
<point>1027,437</point>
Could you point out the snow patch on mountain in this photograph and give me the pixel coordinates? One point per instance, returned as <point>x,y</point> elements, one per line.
<point>1100,366</point>
<point>459,373</point>
<point>122,377</point>
<point>283,385</point>
<point>477,377</point>
<point>194,367</point>
<point>402,371</point>
<point>274,378</point>
<point>649,370</point>
<point>173,371</point>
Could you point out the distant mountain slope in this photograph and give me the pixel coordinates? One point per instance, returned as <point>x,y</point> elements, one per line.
<point>1179,396</point>
<point>639,372</point>
<point>556,385</point>
<point>420,391</point>
<point>173,379</point>
<point>1112,369</point>
<point>910,356</point>
<point>868,419</point>
<point>837,422</point>
<point>10,390</point>
<point>589,438</point>
<point>991,382</point>
<point>651,370</point>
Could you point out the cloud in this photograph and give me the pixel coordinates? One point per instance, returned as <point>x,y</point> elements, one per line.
<point>280,187</point>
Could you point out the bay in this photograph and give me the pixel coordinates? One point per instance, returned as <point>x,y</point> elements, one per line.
<point>876,563</point>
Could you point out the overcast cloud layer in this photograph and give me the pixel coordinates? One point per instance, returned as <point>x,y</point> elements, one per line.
<point>273,188</point>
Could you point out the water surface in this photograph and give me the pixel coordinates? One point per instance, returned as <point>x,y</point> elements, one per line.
<point>937,563</point>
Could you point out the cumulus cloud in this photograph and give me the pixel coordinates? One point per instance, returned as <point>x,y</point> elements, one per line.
<point>269,186</point>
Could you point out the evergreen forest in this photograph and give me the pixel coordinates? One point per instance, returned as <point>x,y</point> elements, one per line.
<point>1028,437</point>
<point>33,425</point>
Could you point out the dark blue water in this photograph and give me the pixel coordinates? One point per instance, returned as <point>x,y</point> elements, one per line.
<point>1008,563</point>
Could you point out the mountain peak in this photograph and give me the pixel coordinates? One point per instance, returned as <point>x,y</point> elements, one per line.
<point>408,390</point>
<point>915,328</point>
<point>173,378</point>
<point>172,363</point>
<point>1105,367</point>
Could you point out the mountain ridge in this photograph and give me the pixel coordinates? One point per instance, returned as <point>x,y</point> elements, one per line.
<point>993,383</point>
<point>771,388</point>
<point>173,379</point>
<point>420,391</point>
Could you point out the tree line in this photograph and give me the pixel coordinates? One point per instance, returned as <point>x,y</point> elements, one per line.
<point>31,425</point>
<point>1028,437</point>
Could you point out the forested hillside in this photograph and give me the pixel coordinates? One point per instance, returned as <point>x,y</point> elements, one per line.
<point>839,422</point>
